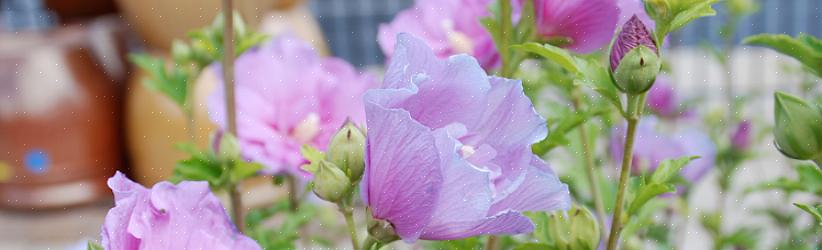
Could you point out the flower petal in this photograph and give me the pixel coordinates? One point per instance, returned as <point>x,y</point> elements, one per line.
<point>537,189</point>
<point>403,177</point>
<point>508,222</point>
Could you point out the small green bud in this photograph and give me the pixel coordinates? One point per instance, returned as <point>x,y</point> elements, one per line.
<point>573,229</point>
<point>637,70</point>
<point>180,51</point>
<point>225,146</point>
<point>346,150</point>
<point>798,129</point>
<point>380,230</point>
<point>330,183</point>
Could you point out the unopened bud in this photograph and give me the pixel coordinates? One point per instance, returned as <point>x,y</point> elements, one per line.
<point>573,229</point>
<point>634,59</point>
<point>225,146</point>
<point>330,183</point>
<point>346,150</point>
<point>798,130</point>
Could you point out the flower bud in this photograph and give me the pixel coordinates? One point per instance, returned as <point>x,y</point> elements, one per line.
<point>330,183</point>
<point>741,137</point>
<point>798,129</point>
<point>225,146</point>
<point>380,230</point>
<point>346,150</point>
<point>573,229</point>
<point>634,59</point>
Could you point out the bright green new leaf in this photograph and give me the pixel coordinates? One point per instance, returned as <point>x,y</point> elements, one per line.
<point>816,211</point>
<point>648,192</point>
<point>93,246</point>
<point>804,48</point>
<point>243,170</point>
<point>550,52</point>
<point>670,168</point>
<point>314,157</point>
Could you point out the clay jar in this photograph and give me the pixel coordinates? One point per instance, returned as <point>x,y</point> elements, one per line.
<point>59,136</point>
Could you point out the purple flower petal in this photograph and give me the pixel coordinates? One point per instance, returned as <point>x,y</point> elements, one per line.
<point>589,24</point>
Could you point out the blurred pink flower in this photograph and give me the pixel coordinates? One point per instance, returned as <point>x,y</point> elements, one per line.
<point>288,96</point>
<point>448,152</point>
<point>651,147</point>
<point>629,8</point>
<point>168,216</point>
<point>741,137</point>
<point>589,24</point>
<point>449,27</point>
<point>662,98</point>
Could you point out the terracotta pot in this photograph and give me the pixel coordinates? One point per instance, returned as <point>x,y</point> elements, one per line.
<point>160,21</point>
<point>59,118</point>
<point>155,124</point>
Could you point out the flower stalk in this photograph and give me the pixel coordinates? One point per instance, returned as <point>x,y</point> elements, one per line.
<point>228,81</point>
<point>348,213</point>
<point>635,103</point>
<point>505,33</point>
<point>590,168</point>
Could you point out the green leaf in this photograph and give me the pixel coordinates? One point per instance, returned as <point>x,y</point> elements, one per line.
<point>816,212</point>
<point>552,53</point>
<point>805,48</point>
<point>94,246</point>
<point>198,169</point>
<point>243,170</point>
<point>670,168</point>
<point>314,157</point>
<point>690,13</point>
<point>533,246</point>
<point>172,84</point>
<point>646,193</point>
<point>472,243</point>
<point>594,75</point>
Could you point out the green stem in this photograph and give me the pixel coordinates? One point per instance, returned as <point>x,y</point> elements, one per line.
<point>370,243</point>
<point>590,169</point>
<point>228,81</point>
<point>635,103</point>
<point>293,198</point>
<point>348,212</point>
<point>492,243</point>
<point>505,36</point>
<point>818,162</point>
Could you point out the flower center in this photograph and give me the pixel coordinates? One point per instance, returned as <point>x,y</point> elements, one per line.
<point>467,151</point>
<point>306,130</point>
<point>459,42</point>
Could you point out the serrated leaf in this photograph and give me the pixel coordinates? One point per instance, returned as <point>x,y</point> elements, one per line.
<point>806,49</point>
<point>670,168</point>
<point>816,212</point>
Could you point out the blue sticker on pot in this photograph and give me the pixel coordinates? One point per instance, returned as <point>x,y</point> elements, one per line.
<point>36,161</point>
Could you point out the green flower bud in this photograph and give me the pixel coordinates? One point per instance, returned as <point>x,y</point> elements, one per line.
<point>658,9</point>
<point>225,146</point>
<point>380,230</point>
<point>573,229</point>
<point>346,150</point>
<point>330,183</point>
<point>798,130</point>
<point>637,71</point>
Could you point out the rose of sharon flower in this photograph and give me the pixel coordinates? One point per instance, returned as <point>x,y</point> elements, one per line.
<point>588,24</point>
<point>168,216</point>
<point>662,99</point>
<point>288,96</point>
<point>741,136</point>
<point>449,27</point>
<point>629,8</point>
<point>651,147</point>
<point>448,152</point>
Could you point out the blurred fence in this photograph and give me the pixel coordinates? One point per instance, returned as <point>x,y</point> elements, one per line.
<point>351,25</point>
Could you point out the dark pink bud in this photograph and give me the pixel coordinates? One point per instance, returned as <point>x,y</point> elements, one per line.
<point>741,138</point>
<point>633,34</point>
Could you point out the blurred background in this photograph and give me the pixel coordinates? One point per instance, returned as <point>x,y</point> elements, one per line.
<point>73,109</point>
